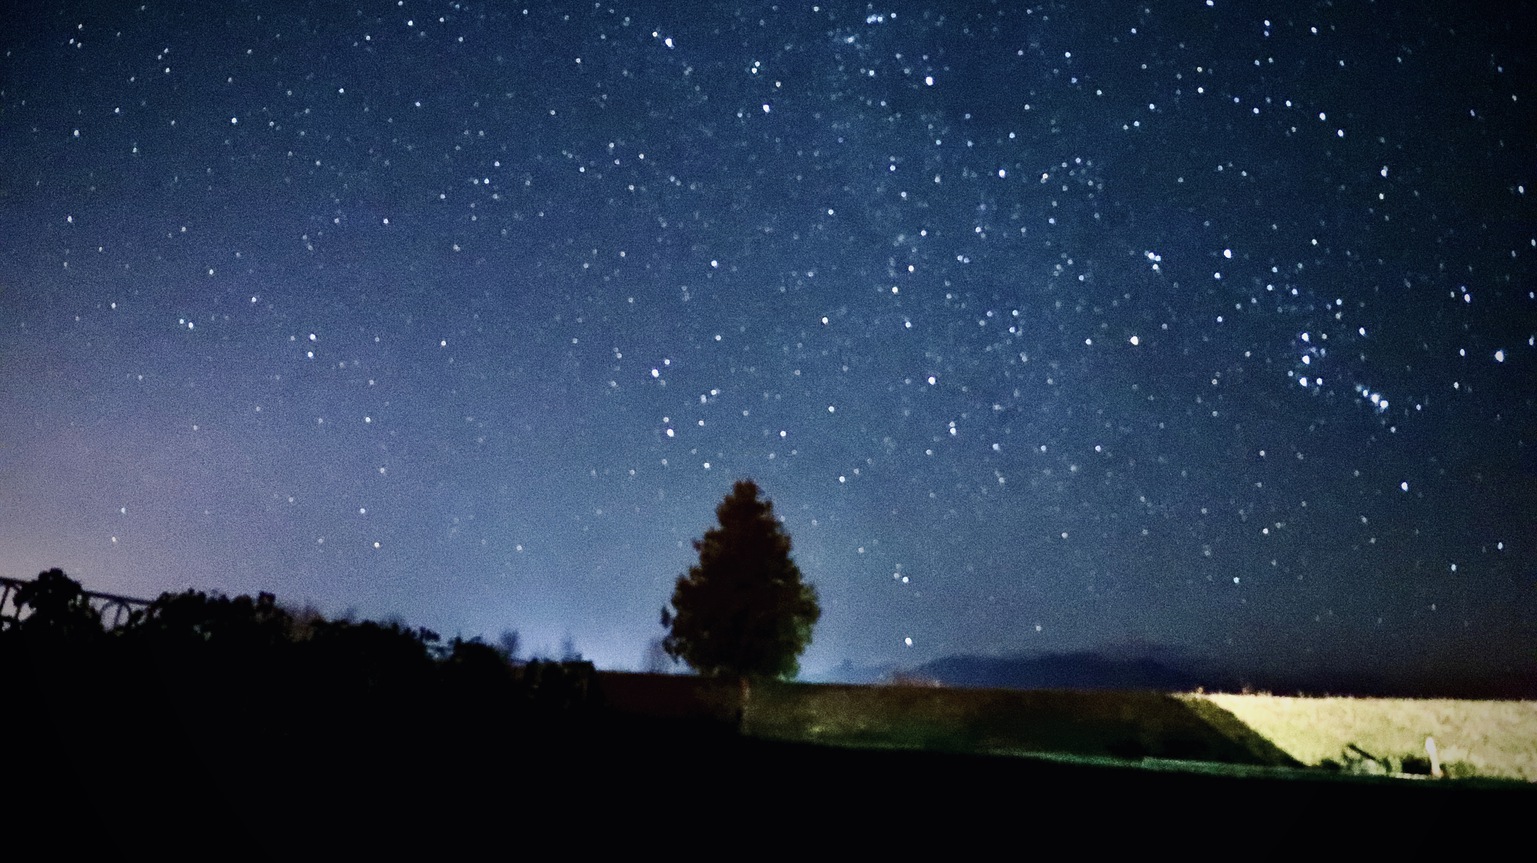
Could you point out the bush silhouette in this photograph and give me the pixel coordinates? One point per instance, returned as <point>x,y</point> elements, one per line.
<point>197,621</point>
<point>58,608</point>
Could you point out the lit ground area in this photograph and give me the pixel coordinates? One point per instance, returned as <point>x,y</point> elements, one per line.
<point>1489,739</point>
<point>1482,738</point>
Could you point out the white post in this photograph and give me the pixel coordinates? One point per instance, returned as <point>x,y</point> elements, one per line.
<point>1435,760</point>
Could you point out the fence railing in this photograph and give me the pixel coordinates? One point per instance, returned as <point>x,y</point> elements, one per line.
<point>111,609</point>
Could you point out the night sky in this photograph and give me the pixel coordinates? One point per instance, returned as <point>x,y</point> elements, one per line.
<point>1205,327</point>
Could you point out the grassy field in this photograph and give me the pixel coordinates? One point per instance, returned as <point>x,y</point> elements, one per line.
<point>1121,725</point>
<point>1482,738</point>
<point>1493,739</point>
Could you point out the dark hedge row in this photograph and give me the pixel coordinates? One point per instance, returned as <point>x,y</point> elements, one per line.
<point>243,671</point>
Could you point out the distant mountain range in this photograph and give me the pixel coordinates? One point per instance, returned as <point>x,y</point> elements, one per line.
<point>1090,670</point>
<point>1082,670</point>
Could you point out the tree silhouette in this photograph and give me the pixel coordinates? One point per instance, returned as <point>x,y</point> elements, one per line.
<point>59,608</point>
<point>743,610</point>
<point>213,623</point>
<point>509,643</point>
<point>656,660</point>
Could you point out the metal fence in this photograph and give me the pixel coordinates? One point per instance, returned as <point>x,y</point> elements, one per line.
<point>111,609</point>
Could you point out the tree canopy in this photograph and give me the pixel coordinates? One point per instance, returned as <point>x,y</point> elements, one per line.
<point>743,609</point>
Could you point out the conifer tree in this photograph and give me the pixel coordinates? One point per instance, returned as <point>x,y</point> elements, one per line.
<point>743,609</point>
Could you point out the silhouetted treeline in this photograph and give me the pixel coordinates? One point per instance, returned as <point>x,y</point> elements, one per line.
<point>274,663</point>
<point>239,696</point>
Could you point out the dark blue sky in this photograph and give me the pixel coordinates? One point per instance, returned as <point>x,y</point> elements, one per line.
<point>1045,327</point>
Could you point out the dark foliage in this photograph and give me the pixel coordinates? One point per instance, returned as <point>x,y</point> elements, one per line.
<point>508,643</point>
<point>476,660</point>
<point>370,655</point>
<point>556,688</point>
<point>743,610</point>
<point>206,670</point>
<point>57,608</point>
<point>656,660</point>
<point>194,620</point>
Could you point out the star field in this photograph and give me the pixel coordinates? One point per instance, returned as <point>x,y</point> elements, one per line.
<point>1204,325</point>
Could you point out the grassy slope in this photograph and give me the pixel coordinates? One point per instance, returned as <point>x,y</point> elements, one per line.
<point>1094,724</point>
<point>1484,738</point>
<point>1492,738</point>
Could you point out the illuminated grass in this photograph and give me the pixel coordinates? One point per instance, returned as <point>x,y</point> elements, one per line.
<point>1490,739</point>
<point>1121,725</point>
<point>1483,738</point>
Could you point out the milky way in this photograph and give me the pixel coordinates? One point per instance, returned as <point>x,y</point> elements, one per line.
<point>1205,327</point>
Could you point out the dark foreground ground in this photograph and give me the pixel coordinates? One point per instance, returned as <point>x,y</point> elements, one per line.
<point>630,786</point>
<point>117,767</point>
